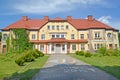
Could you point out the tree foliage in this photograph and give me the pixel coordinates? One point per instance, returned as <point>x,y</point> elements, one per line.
<point>21,40</point>
<point>18,42</point>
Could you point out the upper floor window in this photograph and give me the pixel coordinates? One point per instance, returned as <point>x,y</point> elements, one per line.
<point>62,36</point>
<point>48,27</point>
<point>62,27</point>
<point>109,35</point>
<point>72,36</point>
<point>82,36</point>
<point>4,36</point>
<point>67,27</point>
<point>57,27</point>
<point>74,47</point>
<point>53,36</point>
<point>33,36</point>
<point>57,36</point>
<point>97,35</point>
<point>53,27</point>
<point>43,36</point>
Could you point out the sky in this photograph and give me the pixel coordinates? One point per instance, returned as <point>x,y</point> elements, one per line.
<point>106,11</point>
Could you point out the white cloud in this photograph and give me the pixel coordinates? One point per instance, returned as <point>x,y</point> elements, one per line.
<point>52,6</point>
<point>105,19</point>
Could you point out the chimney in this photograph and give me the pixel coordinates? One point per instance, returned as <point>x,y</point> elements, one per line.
<point>90,18</point>
<point>69,17</point>
<point>46,18</point>
<point>25,18</point>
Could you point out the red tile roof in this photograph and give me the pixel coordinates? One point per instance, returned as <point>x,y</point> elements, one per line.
<point>60,40</point>
<point>77,23</point>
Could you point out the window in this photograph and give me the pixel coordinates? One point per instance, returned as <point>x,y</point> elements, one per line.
<point>33,36</point>
<point>4,36</point>
<point>109,35</point>
<point>97,35</point>
<point>33,46</point>
<point>48,27</point>
<point>52,47</point>
<point>62,27</point>
<point>62,36</point>
<point>42,47</point>
<point>63,47</point>
<point>67,27</point>
<point>53,36</point>
<point>53,27</point>
<point>57,36</point>
<point>82,36</point>
<point>73,47</point>
<point>97,46</point>
<point>82,47</point>
<point>116,46</point>
<point>57,27</point>
<point>43,36</point>
<point>72,36</point>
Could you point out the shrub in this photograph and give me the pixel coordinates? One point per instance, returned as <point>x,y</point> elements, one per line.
<point>20,61</point>
<point>88,54</point>
<point>35,54</point>
<point>109,52</point>
<point>81,53</point>
<point>29,56</point>
<point>40,53</point>
<point>77,52</point>
<point>102,50</point>
<point>116,52</point>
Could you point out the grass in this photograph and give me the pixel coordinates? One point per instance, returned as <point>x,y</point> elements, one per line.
<point>110,64</point>
<point>9,70</point>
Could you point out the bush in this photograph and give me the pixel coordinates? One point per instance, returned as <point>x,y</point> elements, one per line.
<point>35,54</point>
<point>102,50</point>
<point>109,52</point>
<point>88,54</point>
<point>116,52</point>
<point>20,61</point>
<point>81,53</point>
<point>39,52</point>
<point>77,52</point>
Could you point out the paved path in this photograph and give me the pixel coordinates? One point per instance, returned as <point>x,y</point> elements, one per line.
<point>64,67</point>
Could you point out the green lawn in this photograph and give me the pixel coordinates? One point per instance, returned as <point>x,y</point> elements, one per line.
<point>9,70</point>
<point>110,64</point>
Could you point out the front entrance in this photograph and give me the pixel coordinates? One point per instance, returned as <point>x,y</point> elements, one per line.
<point>58,48</point>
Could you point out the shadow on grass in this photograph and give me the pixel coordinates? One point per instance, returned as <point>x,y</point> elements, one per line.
<point>68,72</point>
<point>27,75</point>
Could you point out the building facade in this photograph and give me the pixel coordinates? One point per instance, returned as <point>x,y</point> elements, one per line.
<point>61,36</point>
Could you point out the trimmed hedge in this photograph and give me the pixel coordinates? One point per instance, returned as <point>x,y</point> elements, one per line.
<point>82,53</point>
<point>28,56</point>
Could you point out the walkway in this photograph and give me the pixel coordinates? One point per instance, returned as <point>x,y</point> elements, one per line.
<point>64,67</point>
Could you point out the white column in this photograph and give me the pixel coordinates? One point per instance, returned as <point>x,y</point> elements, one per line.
<point>65,47</point>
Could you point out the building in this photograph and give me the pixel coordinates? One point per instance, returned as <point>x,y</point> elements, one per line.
<point>68,35</point>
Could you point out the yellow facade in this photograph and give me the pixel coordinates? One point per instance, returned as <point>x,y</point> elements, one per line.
<point>57,29</point>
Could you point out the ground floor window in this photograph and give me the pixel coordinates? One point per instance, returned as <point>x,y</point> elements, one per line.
<point>52,47</point>
<point>97,46</point>
<point>42,47</point>
<point>63,47</point>
<point>82,46</point>
<point>116,46</point>
<point>74,47</point>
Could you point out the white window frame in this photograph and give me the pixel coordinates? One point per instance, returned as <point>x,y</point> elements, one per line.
<point>43,36</point>
<point>41,47</point>
<point>82,46</point>
<point>33,36</point>
<point>72,36</point>
<point>73,47</point>
<point>5,36</point>
<point>81,36</point>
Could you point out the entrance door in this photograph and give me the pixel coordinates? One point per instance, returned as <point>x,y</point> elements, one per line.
<point>58,48</point>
